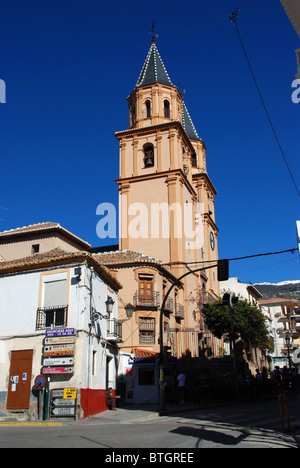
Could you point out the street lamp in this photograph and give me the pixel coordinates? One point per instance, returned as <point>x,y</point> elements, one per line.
<point>129,310</point>
<point>109,305</point>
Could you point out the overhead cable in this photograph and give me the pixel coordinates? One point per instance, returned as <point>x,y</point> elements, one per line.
<point>235,258</point>
<point>234,18</point>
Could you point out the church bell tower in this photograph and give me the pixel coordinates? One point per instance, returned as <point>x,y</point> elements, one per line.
<point>166,196</point>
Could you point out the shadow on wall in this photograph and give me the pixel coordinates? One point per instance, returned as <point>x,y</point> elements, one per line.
<point>208,381</point>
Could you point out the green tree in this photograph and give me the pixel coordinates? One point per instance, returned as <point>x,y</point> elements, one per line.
<point>249,323</point>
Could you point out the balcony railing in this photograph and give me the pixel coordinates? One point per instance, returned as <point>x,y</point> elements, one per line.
<point>49,317</point>
<point>179,312</point>
<point>169,306</point>
<point>150,300</point>
<point>114,330</point>
<point>147,339</point>
<point>206,298</point>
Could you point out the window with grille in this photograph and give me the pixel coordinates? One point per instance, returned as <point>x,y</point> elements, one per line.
<point>147,330</point>
<point>54,310</point>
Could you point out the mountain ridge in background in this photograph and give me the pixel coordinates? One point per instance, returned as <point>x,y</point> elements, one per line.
<point>284,289</point>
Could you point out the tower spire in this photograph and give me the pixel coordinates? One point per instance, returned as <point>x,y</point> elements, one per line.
<point>153,70</point>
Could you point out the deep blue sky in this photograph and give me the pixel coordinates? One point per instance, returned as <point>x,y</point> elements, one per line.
<point>59,156</point>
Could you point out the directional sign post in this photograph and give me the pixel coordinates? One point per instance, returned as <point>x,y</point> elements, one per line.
<point>64,411</point>
<point>59,350</point>
<point>66,361</point>
<point>58,370</point>
<point>59,340</point>
<point>58,359</point>
<point>63,403</point>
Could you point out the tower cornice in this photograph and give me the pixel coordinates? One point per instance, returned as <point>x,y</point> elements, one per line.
<point>170,175</point>
<point>175,124</point>
<point>203,176</point>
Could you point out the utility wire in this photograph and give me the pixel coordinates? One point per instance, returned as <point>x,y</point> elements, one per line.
<point>264,254</point>
<point>120,54</point>
<point>234,18</point>
<point>233,259</point>
<point>129,51</point>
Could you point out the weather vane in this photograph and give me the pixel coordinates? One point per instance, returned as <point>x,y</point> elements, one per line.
<point>154,36</point>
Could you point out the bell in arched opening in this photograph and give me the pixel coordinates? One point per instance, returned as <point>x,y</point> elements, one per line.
<point>149,155</point>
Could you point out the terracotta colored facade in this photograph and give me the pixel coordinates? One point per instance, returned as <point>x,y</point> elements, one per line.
<point>166,213</point>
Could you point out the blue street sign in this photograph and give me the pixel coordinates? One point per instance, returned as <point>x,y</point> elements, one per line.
<point>40,382</point>
<point>60,332</point>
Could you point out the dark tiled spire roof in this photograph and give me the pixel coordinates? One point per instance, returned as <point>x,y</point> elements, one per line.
<point>188,125</point>
<point>154,70</point>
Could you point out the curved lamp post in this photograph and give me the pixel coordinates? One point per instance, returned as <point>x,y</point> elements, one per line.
<point>162,357</point>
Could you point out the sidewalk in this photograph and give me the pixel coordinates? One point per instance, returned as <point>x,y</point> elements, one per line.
<point>126,413</point>
<point>130,412</point>
<point>145,413</point>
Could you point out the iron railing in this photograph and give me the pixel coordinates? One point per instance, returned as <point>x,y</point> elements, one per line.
<point>49,317</point>
<point>146,300</point>
<point>114,329</point>
<point>169,306</point>
<point>179,312</point>
<point>206,298</point>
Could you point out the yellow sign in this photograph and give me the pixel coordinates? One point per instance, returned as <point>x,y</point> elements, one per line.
<point>70,393</point>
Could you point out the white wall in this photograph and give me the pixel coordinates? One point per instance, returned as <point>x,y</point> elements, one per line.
<point>20,296</point>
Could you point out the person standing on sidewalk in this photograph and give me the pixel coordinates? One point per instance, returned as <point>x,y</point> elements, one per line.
<point>181,379</point>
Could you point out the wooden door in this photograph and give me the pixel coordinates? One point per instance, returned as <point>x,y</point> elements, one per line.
<point>146,289</point>
<point>19,385</point>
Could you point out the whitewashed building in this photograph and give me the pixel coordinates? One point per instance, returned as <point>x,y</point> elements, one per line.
<point>285,323</point>
<point>59,319</point>
<point>245,290</point>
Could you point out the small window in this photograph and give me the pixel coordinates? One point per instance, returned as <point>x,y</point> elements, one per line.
<point>35,248</point>
<point>54,311</point>
<point>166,109</point>
<point>55,293</point>
<point>148,109</point>
<point>55,316</point>
<point>133,115</point>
